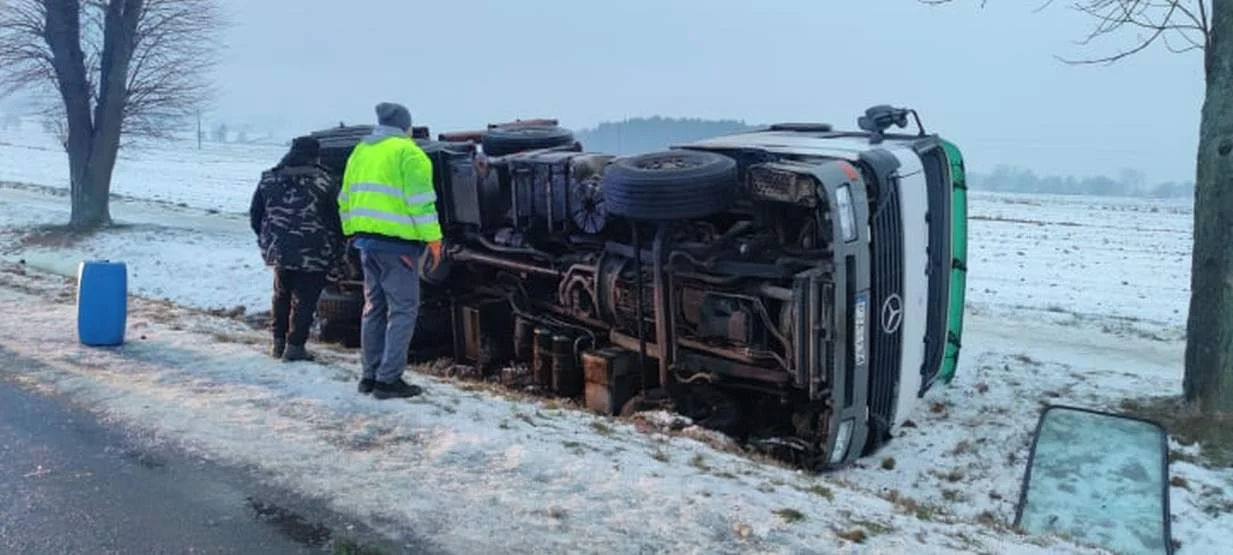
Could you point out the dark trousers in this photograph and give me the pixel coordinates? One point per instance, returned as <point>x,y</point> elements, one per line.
<point>295,301</point>
<point>391,308</point>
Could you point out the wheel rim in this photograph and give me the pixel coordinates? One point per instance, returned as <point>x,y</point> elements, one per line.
<point>667,163</point>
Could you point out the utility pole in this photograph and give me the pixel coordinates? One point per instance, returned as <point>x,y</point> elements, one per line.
<point>198,129</point>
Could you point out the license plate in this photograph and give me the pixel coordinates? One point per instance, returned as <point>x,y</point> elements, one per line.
<point>860,321</point>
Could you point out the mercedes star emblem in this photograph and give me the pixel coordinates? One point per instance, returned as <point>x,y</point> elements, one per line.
<point>892,313</point>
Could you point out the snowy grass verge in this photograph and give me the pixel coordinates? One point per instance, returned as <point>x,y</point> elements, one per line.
<point>470,472</point>
<point>193,257</point>
<point>202,381</point>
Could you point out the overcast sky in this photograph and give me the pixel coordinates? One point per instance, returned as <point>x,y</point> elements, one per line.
<point>987,79</point>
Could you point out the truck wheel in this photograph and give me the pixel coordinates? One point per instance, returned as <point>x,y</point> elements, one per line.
<point>339,313</point>
<point>670,185</point>
<point>340,307</point>
<point>342,332</point>
<point>500,141</point>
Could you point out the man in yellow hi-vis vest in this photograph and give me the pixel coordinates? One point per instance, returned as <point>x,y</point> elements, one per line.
<point>388,209</point>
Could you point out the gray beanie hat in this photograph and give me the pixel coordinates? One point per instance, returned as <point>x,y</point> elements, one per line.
<point>393,115</point>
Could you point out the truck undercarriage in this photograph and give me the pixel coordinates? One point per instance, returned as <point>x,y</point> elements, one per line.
<point>730,285</point>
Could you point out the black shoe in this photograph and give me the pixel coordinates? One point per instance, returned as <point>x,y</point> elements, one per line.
<point>397,390</point>
<point>366,385</point>
<point>294,353</point>
<point>277,349</point>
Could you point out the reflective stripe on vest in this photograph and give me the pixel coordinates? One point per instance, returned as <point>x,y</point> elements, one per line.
<point>360,213</point>
<point>388,190</point>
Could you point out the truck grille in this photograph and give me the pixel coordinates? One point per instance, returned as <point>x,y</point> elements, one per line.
<point>885,348</point>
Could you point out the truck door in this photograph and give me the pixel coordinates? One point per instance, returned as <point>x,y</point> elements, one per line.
<point>939,218</point>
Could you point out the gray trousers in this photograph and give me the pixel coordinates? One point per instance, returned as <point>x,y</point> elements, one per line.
<point>391,307</point>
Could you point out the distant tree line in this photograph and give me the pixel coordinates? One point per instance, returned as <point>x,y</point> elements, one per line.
<point>637,135</point>
<point>1128,183</point>
<point>242,133</point>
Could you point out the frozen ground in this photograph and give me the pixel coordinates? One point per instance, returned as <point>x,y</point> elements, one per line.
<point>1074,300</point>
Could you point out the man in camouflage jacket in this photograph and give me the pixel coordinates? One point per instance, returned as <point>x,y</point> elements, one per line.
<point>294,213</point>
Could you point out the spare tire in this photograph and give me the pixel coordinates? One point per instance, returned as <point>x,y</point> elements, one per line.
<point>500,141</point>
<point>670,185</point>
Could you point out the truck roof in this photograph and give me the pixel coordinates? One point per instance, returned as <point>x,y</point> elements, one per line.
<point>847,145</point>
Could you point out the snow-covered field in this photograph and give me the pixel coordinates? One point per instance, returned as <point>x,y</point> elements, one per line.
<point>1072,300</point>
<point>1123,262</point>
<point>217,177</point>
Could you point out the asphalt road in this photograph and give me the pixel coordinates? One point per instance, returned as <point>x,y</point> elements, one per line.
<point>70,485</point>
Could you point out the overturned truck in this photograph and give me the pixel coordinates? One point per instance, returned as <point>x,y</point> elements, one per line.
<point>796,287</point>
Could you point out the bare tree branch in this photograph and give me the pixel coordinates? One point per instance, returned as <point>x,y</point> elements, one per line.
<point>24,56</point>
<point>1151,20</point>
<point>1186,22</point>
<point>167,80</point>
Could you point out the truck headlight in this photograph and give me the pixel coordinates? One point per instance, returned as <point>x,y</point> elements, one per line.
<point>842,439</point>
<point>847,214</point>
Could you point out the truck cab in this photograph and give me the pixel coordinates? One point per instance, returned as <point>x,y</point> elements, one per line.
<point>914,226</point>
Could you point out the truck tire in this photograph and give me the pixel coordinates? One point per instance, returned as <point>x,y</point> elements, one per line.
<point>670,185</point>
<point>346,334</point>
<point>340,306</point>
<point>339,314</point>
<point>500,141</point>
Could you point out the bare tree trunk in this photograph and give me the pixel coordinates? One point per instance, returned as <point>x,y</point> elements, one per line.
<point>93,140</point>
<point>1208,380</point>
<point>63,36</point>
<point>119,40</point>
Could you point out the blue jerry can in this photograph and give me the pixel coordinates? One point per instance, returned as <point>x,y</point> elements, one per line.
<point>102,303</point>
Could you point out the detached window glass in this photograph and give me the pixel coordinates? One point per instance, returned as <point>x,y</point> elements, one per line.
<point>1100,479</point>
